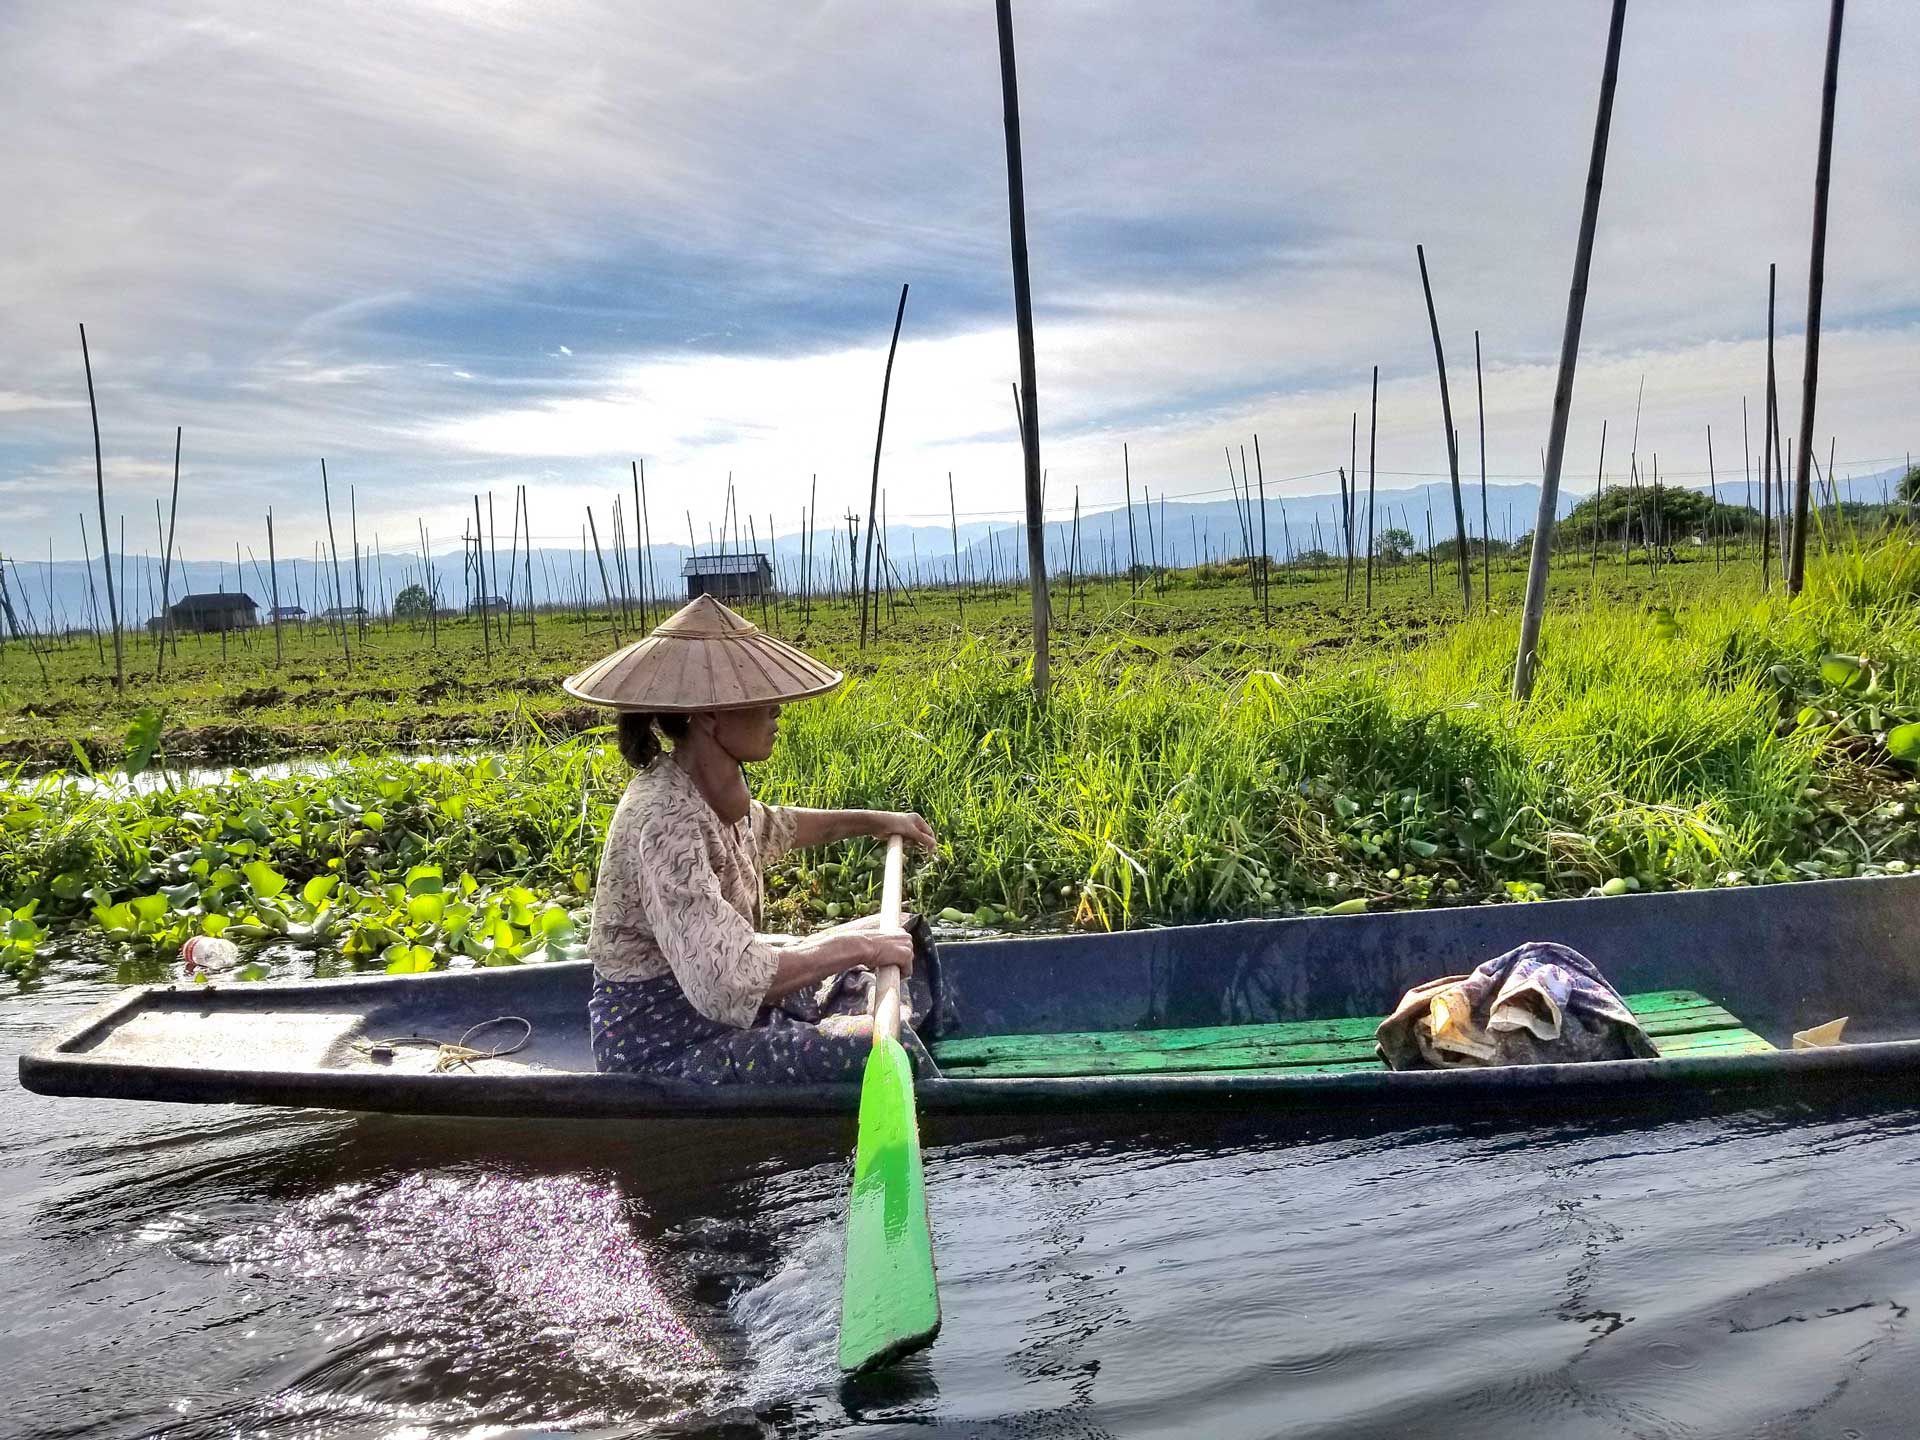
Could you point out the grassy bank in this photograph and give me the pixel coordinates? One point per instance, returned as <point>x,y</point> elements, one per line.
<point>405,687</point>
<point>1185,769</point>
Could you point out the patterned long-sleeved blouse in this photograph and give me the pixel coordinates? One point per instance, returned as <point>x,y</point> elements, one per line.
<point>680,893</point>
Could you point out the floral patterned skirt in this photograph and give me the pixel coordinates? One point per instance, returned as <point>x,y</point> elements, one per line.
<point>650,1027</point>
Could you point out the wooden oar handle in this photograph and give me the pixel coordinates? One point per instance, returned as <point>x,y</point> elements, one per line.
<point>886,987</point>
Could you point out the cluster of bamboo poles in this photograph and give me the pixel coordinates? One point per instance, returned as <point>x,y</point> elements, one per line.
<point>1783,527</point>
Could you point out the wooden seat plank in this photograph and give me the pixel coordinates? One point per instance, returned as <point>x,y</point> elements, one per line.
<point>1680,1022</point>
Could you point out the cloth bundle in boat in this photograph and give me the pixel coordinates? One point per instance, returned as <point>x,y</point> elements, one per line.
<point>1538,1004</point>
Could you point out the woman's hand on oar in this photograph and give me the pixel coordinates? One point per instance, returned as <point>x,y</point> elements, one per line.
<point>907,826</point>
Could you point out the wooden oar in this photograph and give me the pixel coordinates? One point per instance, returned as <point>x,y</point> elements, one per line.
<point>889,1305</point>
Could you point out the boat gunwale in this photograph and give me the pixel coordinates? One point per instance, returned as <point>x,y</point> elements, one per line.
<point>588,1094</point>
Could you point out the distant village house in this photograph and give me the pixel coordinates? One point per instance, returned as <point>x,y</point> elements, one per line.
<point>214,612</point>
<point>743,576</point>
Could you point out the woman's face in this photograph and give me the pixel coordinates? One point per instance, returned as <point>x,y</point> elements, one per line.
<point>747,735</point>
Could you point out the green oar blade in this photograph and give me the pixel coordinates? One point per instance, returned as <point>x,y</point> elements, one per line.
<point>889,1305</point>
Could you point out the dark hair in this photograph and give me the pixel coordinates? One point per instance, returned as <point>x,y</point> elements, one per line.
<point>638,740</point>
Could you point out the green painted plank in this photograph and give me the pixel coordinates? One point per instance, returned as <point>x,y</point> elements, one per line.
<point>889,1305</point>
<point>1679,1022</point>
<point>1653,1000</point>
<point>1101,1042</point>
<point>1714,1042</point>
<point>1142,1062</point>
<point>1662,1013</point>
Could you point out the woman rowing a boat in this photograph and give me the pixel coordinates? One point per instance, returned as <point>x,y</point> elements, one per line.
<point>684,984</point>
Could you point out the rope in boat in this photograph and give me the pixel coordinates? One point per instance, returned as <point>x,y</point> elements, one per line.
<point>452,1054</point>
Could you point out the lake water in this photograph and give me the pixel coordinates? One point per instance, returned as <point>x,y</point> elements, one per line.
<point>188,1271</point>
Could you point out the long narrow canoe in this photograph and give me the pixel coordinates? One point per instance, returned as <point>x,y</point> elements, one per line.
<point>1256,1015</point>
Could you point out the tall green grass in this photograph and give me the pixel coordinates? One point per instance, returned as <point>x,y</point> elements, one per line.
<point>1255,779</point>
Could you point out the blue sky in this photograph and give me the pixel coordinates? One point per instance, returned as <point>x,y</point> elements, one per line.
<point>461,246</point>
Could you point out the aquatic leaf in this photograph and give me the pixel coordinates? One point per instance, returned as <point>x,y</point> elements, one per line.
<point>114,919</point>
<point>263,879</point>
<point>1355,906</point>
<point>1425,849</point>
<point>1844,672</point>
<point>555,921</point>
<point>319,888</point>
<point>68,885</point>
<point>147,909</point>
<point>1903,742</point>
<point>181,897</point>
<point>457,918</point>
<point>374,820</point>
<point>425,880</point>
<point>407,959</point>
<point>254,971</point>
<point>426,909</point>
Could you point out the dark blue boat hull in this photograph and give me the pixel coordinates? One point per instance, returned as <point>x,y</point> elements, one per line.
<point>1780,957</point>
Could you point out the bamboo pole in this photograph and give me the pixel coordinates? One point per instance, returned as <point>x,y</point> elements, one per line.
<point>1133,556</point>
<point>613,614</point>
<point>433,588</point>
<point>359,586</point>
<point>513,559</point>
<point>1153,543</point>
<point>1453,446</point>
<point>167,631</point>
<point>1266,559</point>
<point>480,577</point>
<point>1023,321</point>
<point>640,544</point>
<point>100,492</point>
<point>1816,288</point>
<point>953,524</point>
<point>879,435</point>
<point>1599,491</point>
<point>1713,492</point>
<point>273,570</point>
<point>1373,435</point>
<point>1486,528</point>
<point>1526,662</point>
<point>326,495</point>
<point>526,516</point>
<point>1353,501</point>
<point>93,598</point>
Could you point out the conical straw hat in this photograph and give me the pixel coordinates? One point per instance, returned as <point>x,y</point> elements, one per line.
<point>705,657</point>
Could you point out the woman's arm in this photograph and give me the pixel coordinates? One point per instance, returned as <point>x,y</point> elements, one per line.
<point>807,962</point>
<point>823,827</point>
